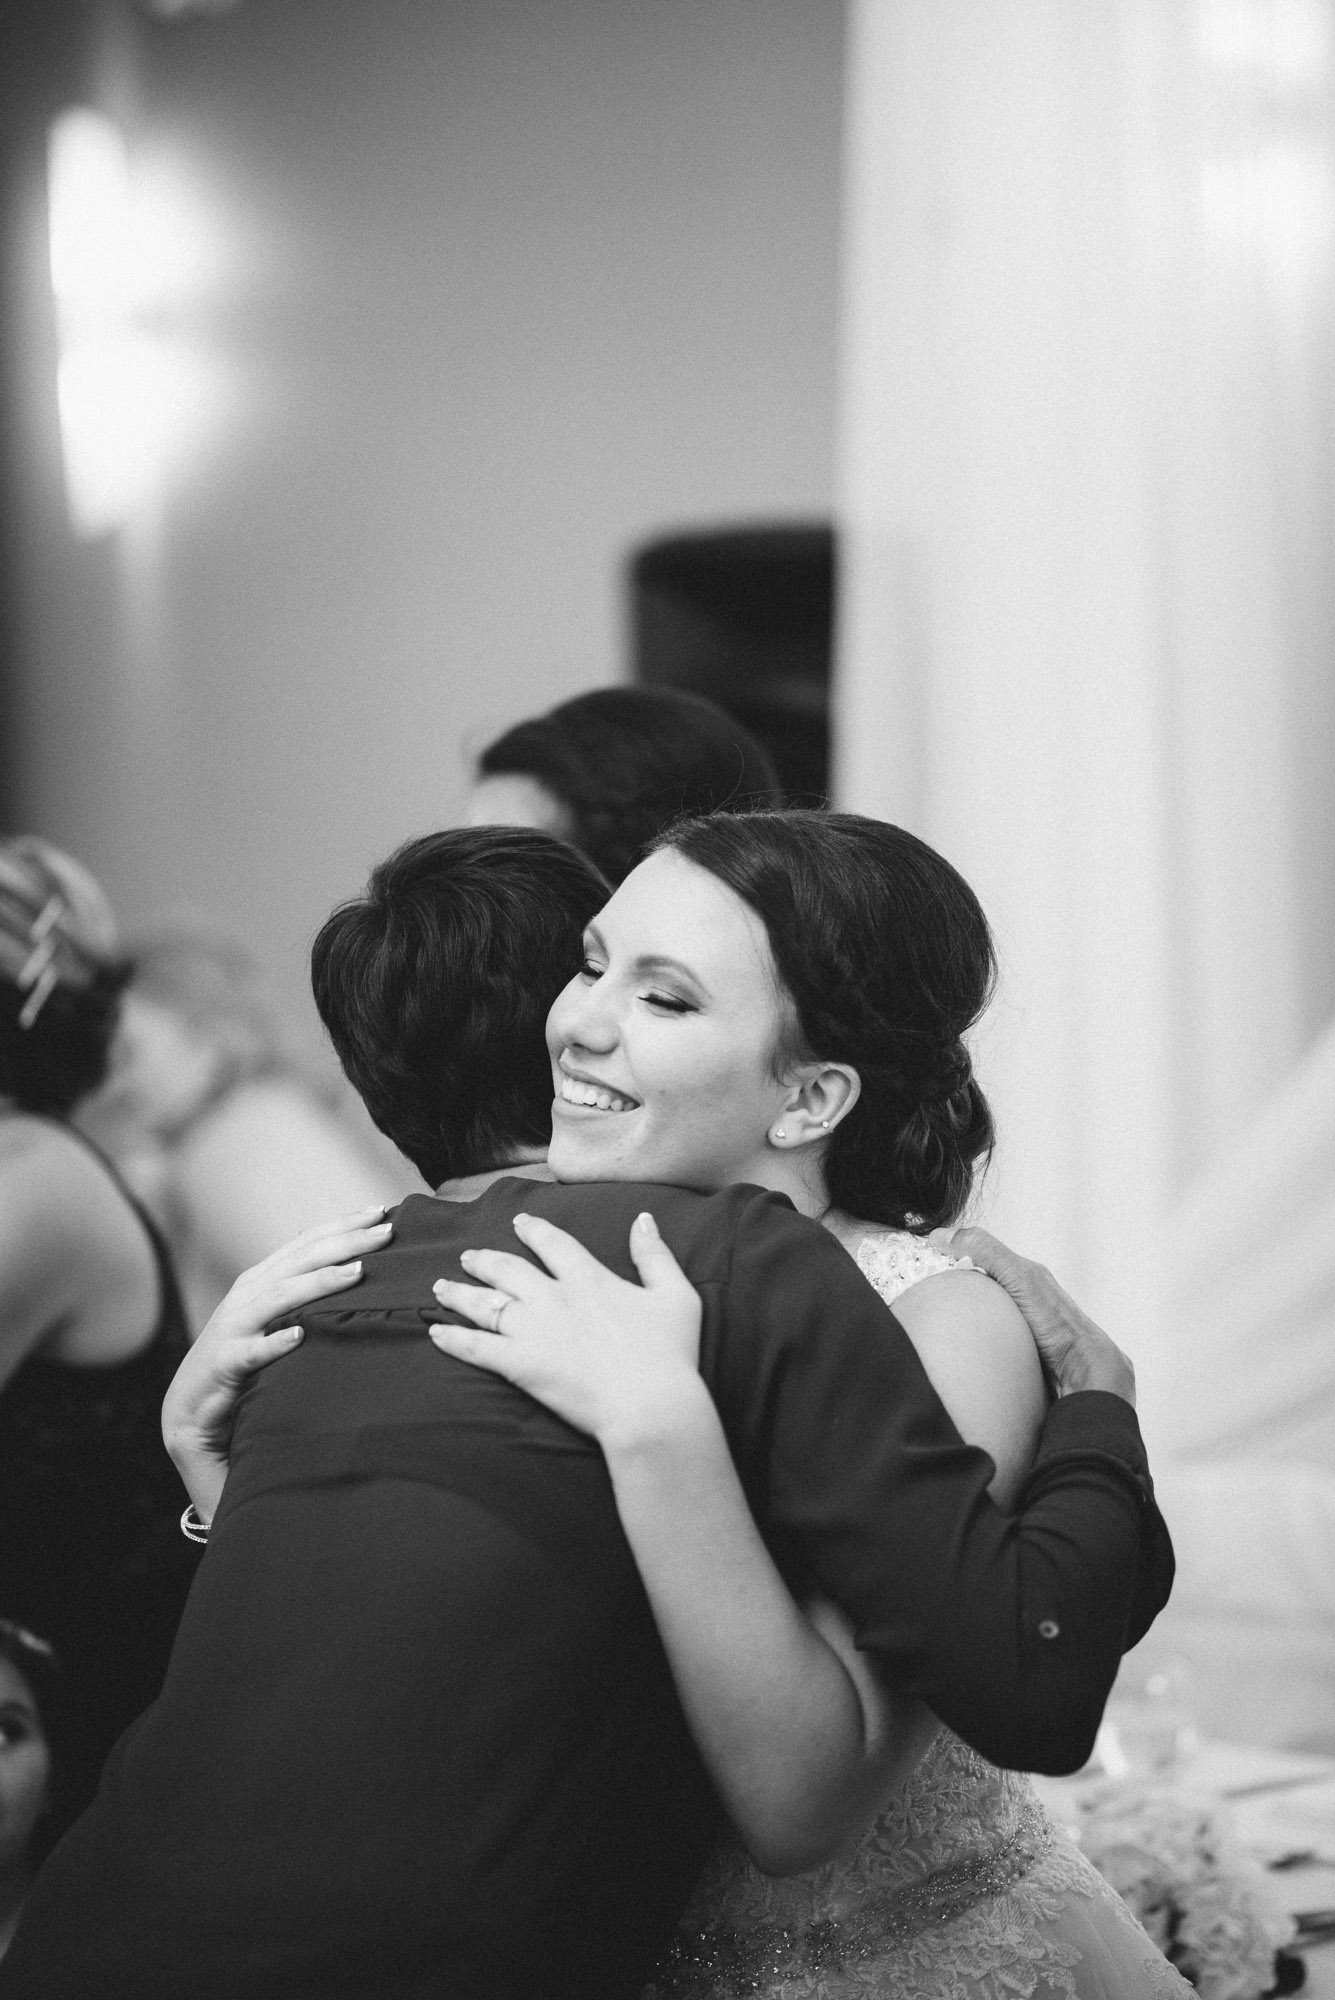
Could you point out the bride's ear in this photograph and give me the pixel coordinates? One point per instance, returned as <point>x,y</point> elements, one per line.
<point>821,1094</point>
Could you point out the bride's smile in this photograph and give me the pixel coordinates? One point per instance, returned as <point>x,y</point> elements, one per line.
<point>575,1089</point>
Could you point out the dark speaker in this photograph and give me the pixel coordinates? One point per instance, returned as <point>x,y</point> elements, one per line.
<point>746,617</point>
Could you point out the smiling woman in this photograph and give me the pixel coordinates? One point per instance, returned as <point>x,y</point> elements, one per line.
<point>781,999</point>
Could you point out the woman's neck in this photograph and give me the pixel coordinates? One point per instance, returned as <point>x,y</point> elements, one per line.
<point>528,1165</point>
<point>797,1173</point>
<point>848,1229</point>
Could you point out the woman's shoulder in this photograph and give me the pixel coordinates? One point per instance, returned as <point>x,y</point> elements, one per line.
<point>46,1164</point>
<point>29,1140</point>
<point>973,1342</point>
<point>949,1295</point>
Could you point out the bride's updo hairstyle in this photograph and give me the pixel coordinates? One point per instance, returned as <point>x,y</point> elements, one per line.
<point>887,960</point>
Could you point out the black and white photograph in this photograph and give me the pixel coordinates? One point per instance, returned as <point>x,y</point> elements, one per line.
<point>667,999</point>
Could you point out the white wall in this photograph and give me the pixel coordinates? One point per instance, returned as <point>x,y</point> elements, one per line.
<point>507,285</point>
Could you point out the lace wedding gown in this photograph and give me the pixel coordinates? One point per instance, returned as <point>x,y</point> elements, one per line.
<point>962,1888</point>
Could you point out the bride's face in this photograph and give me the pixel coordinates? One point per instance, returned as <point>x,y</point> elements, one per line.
<point>663,1045</point>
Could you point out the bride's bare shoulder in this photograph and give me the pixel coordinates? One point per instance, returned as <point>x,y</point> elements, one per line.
<point>975,1347</point>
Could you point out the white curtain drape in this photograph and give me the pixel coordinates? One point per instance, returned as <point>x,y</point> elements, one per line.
<point>1087,639</point>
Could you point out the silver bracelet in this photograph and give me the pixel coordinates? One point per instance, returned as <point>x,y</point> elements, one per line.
<point>192,1527</point>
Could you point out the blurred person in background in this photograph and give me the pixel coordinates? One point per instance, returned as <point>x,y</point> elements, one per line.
<point>610,770</point>
<point>34,1761</point>
<point>218,1130</point>
<point>91,1323</point>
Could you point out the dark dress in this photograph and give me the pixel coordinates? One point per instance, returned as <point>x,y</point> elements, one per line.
<point>418,1737</point>
<point>91,1554</point>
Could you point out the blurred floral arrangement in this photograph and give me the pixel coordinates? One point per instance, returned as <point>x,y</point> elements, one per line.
<point>1172,1859</point>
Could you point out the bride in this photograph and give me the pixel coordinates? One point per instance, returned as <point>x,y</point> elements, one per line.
<point>781,999</point>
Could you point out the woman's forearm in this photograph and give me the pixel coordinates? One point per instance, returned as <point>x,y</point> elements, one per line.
<point>796,1756</point>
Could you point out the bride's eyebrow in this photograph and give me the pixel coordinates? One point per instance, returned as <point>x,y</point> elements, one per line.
<point>648,962</point>
<point>653,961</point>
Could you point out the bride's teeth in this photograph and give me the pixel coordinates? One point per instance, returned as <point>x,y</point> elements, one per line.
<point>594,1096</point>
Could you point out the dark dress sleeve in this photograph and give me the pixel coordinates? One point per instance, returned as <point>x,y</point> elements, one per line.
<point>1011,1627</point>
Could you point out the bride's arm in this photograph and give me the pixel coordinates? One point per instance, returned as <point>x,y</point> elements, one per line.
<point>800,1748</point>
<point>795,1732</point>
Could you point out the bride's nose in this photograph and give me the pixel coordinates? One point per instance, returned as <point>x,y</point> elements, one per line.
<point>582,1018</point>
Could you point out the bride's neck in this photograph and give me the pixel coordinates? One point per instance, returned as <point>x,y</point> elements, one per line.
<point>848,1229</point>
<point>798,1174</point>
<point>802,1178</point>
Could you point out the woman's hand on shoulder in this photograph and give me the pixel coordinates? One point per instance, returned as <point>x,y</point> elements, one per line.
<point>972,1340</point>
<point>1076,1354</point>
<point>239,1339</point>
<point>617,1360</point>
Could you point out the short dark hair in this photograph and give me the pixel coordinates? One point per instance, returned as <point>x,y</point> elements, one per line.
<point>886,956</point>
<point>626,762</point>
<point>435,986</point>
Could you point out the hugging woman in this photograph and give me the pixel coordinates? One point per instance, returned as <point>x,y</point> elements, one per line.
<point>419,1734</point>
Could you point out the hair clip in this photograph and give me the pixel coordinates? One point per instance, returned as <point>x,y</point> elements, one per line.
<point>38,970</point>
<point>23,1637</point>
<point>52,910</point>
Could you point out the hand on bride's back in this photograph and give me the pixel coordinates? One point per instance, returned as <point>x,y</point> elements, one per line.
<point>617,1360</point>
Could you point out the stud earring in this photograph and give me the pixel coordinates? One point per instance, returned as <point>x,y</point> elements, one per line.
<point>824,1124</point>
<point>779,1132</point>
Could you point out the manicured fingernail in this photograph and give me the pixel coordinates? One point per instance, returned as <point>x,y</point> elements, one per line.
<point>523,1216</point>
<point>293,1333</point>
<point>646,1221</point>
<point>467,1258</point>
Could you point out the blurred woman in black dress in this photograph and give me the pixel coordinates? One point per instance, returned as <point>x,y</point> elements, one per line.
<point>91,1327</point>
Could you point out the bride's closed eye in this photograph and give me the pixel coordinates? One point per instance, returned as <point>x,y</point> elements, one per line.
<point>669,1003</point>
